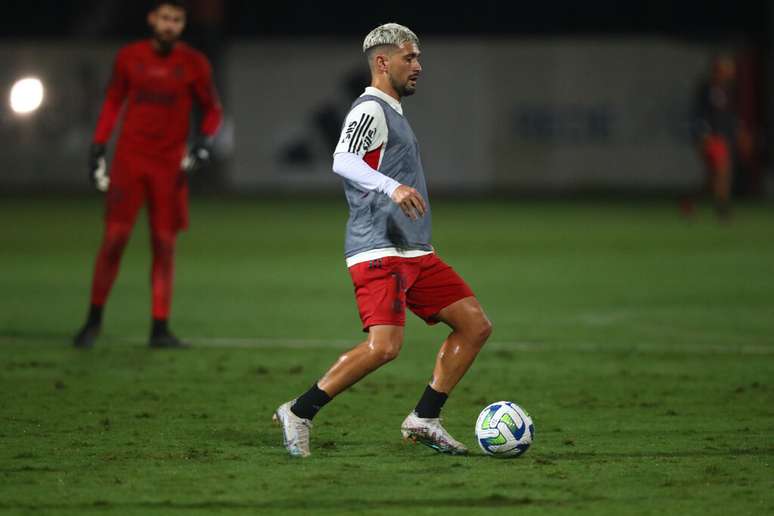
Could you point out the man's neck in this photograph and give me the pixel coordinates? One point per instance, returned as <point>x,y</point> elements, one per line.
<point>385,88</point>
<point>161,48</point>
<point>376,92</point>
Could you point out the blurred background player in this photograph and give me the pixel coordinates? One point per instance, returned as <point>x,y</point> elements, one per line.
<point>155,81</point>
<point>389,253</point>
<point>722,137</point>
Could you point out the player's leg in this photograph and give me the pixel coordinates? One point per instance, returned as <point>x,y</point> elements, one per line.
<point>162,278</point>
<point>380,289</point>
<point>470,330</point>
<point>122,203</point>
<point>382,346</point>
<point>441,295</point>
<point>167,214</point>
<point>721,189</point>
<point>719,164</point>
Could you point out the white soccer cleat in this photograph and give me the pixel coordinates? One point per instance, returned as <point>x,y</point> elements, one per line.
<point>430,432</point>
<point>295,430</point>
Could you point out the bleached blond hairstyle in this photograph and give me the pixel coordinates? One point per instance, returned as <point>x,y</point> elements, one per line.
<point>389,34</point>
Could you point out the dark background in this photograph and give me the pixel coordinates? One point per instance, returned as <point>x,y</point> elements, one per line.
<point>745,29</point>
<point>245,18</point>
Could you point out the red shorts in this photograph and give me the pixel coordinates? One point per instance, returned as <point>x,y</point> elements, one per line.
<point>386,286</point>
<point>717,154</point>
<point>135,179</point>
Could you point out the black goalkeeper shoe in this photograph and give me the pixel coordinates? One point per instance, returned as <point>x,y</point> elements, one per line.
<point>86,336</point>
<point>167,340</point>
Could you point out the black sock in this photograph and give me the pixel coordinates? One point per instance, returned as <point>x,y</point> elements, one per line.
<point>159,327</point>
<point>95,316</point>
<point>430,403</point>
<point>309,403</point>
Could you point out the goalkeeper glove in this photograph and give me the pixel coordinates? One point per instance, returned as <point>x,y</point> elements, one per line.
<point>198,156</point>
<point>98,167</point>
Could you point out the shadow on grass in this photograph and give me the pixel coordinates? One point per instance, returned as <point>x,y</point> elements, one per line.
<point>494,500</point>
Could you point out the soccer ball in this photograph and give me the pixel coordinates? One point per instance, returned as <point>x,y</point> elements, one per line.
<point>504,429</point>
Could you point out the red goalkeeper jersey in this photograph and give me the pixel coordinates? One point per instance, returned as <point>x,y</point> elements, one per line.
<point>158,92</point>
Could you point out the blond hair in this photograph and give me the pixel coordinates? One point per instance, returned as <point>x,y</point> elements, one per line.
<point>389,34</point>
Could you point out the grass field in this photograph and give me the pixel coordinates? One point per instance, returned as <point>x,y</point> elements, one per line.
<point>642,344</point>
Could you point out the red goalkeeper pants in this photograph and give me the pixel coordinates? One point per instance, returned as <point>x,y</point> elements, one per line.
<point>135,181</point>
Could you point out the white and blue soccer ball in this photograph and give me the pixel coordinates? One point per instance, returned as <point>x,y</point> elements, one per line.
<point>504,429</point>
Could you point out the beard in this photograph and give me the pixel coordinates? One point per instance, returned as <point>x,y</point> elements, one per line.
<point>405,89</point>
<point>165,41</point>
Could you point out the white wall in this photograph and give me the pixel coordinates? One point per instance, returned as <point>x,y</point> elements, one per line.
<point>534,115</point>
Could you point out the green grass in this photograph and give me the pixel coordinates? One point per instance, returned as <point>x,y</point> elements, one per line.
<point>642,344</point>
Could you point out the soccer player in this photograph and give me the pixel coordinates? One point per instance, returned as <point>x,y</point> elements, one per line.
<point>720,131</point>
<point>389,255</point>
<point>155,81</point>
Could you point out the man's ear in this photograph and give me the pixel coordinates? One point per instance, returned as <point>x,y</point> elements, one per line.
<point>381,63</point>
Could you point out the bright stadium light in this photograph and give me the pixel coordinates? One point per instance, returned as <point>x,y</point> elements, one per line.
<point>26,95</point>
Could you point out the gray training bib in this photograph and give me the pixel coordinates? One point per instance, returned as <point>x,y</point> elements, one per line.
<point>375,222</point>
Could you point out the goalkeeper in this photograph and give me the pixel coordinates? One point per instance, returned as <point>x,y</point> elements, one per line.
<point>155,82</point>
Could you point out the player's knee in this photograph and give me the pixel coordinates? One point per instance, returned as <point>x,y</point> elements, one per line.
<point>116,238</point>
<point>163,244</point>
<point>481,329</point>
<point>386,350</point>
<point>389,355</point>
<point>486,328</point>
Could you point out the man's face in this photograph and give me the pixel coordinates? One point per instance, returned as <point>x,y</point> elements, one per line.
<point>404,69</point>
<point>167,23</point>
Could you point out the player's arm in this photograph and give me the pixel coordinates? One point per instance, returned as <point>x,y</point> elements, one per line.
<point>358,155</point>
<point>117,90</point>
<point>212,116</point>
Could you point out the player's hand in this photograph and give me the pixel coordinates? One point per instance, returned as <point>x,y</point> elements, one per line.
<point>197,157</point>
<point>410,201</point>
<point>98,167</point>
